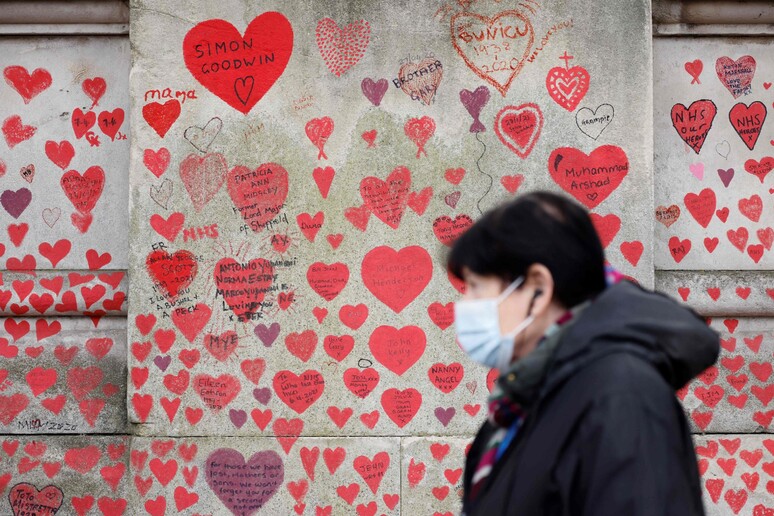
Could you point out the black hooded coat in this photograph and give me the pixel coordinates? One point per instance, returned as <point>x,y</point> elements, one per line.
<point>606,435</point>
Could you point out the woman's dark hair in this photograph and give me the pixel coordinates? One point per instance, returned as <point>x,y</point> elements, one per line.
<point>539,227</point>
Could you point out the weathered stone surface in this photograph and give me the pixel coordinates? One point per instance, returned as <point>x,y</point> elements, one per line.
<point>719,294</point>
<point>74,475</point>
<point>63,376</point>
<point>48,293</point>
<point>737,474</point>
<point>718,179</point>
<point>267,475</point>
<point>431,476</point>
<point>63,199</point>
<point>330,196</point>
<point>736,395</point>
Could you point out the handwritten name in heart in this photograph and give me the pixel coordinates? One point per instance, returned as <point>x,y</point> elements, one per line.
<point>590,178</point>
<point>238,69</point>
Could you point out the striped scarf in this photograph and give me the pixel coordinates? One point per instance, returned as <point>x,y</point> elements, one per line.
<point>513,394</point>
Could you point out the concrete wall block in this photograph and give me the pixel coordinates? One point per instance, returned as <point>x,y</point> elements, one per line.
<point>63,376</point>
<point>431,474</point>
<point>737,474</point>
<point>335,195</point>
<point>712,154</point>
<point>303,476</point>
<point>736,395</point>
<point>65,153</point>
<point>49,293</point>
<point>718,294</point>
<point>68,475</point>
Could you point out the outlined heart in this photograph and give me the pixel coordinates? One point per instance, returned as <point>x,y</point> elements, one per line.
<point>518,127</point>
<point>592,123</point>
<point>420,80</point>
<point>747,121</point>
<point>342,48</point>
<point>737,75</point>
<point>694,122</point>
<point>511,27</point>
<point>255,61</point>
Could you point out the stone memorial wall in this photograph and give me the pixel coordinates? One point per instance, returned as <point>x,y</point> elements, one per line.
<point>245,297</point>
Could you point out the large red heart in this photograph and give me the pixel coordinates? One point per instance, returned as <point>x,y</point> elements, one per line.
<point>589,178</point>
<point>172,272</point>
<point>509,31</point>
<point>701,206</point>
<point>396,278</point>
<point>29,85</point>
<point>397,349</point>
<point>518,127</point>
<point>568,86</point>
<point>159,116</point>
<point>694,122</point>
<point>258,194</point>
<point>243,285</point>
<point>239,70</point>
<point>387,199</point>
<point>299,392</point>
<point>83,190</point>
<point>737,75</point>
<point>747,121</point>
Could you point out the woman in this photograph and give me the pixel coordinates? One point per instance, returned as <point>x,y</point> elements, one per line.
<point>583,419</point>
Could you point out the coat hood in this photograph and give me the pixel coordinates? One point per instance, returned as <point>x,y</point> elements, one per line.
<point>626,317</point>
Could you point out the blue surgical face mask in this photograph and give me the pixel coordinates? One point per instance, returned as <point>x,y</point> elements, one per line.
<point>477,322</point>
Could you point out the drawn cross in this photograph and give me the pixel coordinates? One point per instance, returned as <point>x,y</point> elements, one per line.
<point>566,59</point>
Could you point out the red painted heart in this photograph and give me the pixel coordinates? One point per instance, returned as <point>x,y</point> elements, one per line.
<point>239,69</point>
<point>589,178</point>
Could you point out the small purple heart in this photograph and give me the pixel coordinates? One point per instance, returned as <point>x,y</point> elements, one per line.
<point>374,91</point>
<point>16,202</point>
<point>726,176</point>
<point>474,102</point>
<point>238,417</point>
<point>262,395</point>
<point>162,362</point>
<point>267,334</point>
<point>445,415</point>
<point>452,198</point>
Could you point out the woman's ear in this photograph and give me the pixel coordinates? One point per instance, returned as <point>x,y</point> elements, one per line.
<point>540,281</point>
